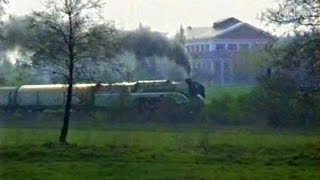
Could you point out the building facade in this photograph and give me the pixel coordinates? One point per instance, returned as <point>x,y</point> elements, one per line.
<point>214,48</point>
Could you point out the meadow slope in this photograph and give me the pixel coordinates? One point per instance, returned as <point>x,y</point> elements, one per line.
<point>29,153</point>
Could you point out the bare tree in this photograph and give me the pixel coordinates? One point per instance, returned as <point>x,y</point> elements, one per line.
<point>299,57</point>
<point>180,36</point>
<point>66,34</point>
<point>3,4</point>
<point>2,7</point>
<point>296,12</point>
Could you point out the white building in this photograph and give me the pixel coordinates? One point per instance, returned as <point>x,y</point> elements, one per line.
<point>215,46</point>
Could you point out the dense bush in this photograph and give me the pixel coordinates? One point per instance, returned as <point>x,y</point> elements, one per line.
<point>275,99</point>
<point>284,103</point>
<point>276,102</point>
<point>228,109</point>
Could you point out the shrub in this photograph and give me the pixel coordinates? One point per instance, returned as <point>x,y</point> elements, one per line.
<point>276,101</point>
<point>280,100</point>
<point>229,109</point>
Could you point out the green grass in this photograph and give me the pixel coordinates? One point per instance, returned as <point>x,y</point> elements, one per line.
<point>29,153</point>
<point>218,91</point>
<point>131,150</point>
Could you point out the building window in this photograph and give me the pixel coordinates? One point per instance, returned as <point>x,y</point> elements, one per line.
<point>207,47</point>
<point>258,46</point>
<point>212,66</point>
<point>217,66</point>
<point>244,46</point>
<point>203,47</point>
<point>220,46</point>
<point>197,48</point>
<point>226,66</point>
<point>232,47</point>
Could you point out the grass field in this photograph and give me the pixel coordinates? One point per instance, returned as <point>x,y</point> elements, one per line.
<point>218,91</point>
<point>236,153</point>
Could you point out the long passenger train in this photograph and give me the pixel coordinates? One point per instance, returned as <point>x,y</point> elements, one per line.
<point>140,95</point>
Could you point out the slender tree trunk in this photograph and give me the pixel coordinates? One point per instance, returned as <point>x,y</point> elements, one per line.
<point>66,118</point>
<point>65,127</point>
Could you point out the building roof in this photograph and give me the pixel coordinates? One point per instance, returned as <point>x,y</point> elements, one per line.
<point>219,29</point>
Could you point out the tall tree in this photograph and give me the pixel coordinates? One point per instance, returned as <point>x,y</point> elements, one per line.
<point>2,6</point>
<point>65,35</point>
<point>180,36</point>
<point>296,12</point>
<point>299,58</point>
<point>302,53</point>
<point>2,12</point>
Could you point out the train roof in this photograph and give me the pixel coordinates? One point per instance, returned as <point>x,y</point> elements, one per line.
<point>153,81</point>
<point>8,88</point>
<point>142,82</point>
<point>49,87</point>
<point>123,84</point>
<point>52,87</point>
<point>157,81</point>
<point>43,86</point>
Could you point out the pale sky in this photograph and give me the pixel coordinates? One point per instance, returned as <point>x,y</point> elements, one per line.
<point>167,15</point>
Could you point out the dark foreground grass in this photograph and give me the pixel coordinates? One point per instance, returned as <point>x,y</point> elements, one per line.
<point>33,154</point>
